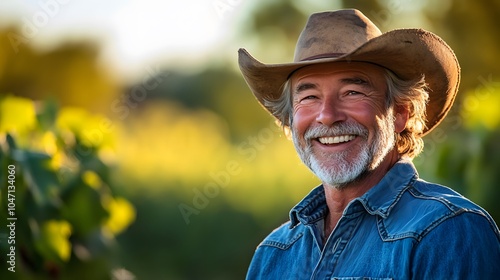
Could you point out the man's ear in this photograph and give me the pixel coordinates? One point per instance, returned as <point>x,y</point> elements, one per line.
<point>401,116</point>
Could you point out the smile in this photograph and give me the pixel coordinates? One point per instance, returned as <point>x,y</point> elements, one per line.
<point>336,139</point>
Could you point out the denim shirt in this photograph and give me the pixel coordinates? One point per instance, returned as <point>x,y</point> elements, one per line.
<point>402,228</point>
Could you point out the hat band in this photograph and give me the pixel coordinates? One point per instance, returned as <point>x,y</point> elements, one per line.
<point>324,55</point>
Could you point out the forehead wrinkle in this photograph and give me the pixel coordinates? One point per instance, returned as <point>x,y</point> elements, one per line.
<point>357,81</point>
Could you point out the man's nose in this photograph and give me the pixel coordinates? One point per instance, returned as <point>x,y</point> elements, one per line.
<point>330,113</point>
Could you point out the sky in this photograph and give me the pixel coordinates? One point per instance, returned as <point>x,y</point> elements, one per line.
<point>132,33</point>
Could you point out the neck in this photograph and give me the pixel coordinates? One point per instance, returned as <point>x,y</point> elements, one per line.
<point>337,199</point>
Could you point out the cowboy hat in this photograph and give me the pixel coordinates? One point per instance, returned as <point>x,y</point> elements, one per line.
<point>348,35</point>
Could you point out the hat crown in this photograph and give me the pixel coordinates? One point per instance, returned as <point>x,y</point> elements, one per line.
<point>331,34</point>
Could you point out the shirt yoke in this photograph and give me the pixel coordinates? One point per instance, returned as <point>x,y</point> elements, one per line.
<point>424,206</point>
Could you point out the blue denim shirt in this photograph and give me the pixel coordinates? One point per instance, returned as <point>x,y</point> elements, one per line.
<point>402,228</point>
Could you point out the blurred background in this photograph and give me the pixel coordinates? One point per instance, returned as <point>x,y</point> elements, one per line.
<point>139,152</point>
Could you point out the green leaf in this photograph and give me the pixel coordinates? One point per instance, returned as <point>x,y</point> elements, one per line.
<point>40,179</point>
<point>83,208</point>
<point>11,144</point>
<point>47,114</point>
<point>53,241</point>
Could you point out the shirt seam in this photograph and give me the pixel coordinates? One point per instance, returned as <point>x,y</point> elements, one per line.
<point>281,245</point>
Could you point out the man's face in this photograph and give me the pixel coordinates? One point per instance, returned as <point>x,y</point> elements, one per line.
<point>341,127</point>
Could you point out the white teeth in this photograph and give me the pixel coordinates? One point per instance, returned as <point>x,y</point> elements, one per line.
<point>336,139</point>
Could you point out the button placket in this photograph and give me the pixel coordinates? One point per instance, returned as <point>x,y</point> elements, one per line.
<point>334,247</point>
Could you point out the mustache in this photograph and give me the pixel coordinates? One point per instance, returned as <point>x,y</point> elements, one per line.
<point>344,128</point>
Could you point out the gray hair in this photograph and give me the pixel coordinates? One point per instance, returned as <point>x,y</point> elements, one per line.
<point>410,93</point>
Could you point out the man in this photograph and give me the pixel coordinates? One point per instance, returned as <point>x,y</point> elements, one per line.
<point>357,103</point>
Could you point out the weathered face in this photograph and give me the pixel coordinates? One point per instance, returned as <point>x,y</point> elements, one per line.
<point>341,126</point>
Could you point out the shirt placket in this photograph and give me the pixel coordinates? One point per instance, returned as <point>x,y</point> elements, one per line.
<point>335,246</point>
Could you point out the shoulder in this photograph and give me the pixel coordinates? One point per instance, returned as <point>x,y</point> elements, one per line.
<point>284,236</point>
<point>460,228</point>
<point>279,255</point>
<point>454,201</point>
<point>424,206</point>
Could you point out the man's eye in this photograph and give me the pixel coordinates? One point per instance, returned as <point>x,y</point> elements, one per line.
<point>352,92</point>
<point>309,97</point>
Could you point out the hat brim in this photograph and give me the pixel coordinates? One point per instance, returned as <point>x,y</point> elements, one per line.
<point>409,53</point>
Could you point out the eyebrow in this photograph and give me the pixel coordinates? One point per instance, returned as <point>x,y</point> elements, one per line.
<point>304,86</point>
<point>356,81</point>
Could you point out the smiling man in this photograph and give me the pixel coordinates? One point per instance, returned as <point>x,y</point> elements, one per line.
<point>357,103</point>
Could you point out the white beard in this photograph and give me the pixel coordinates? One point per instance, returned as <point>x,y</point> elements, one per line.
<point>338,169</point>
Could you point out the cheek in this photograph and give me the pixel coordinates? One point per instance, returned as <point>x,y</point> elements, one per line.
<point>302,119</point>
<point>374,106</point>
<point>365,113</point>
<point>369,115</point>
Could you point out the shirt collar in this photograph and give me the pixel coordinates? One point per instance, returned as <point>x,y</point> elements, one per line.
<point>379,200</point>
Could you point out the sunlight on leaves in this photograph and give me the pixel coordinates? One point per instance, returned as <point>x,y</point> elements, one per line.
<point>16,114</point>
<point>57,161</point>
<point>91,179</point>
<point>94,130</point>
<point>121,214</point>
<point>480,108</point>
<point>48,142</point>
<point>54,241</point>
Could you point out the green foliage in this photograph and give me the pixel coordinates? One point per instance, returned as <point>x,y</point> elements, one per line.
<point>70,72</point>
<point>66,213</point>
<point>470,28</point>
<point>463,152</point>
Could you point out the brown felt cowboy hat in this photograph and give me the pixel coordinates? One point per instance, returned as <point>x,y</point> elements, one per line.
<point>348,35</point>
